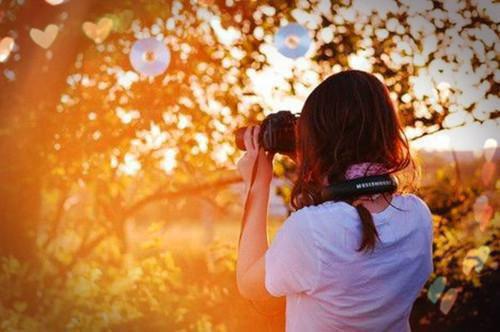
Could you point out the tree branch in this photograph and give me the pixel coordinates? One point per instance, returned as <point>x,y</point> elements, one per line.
<point>188,190</point>
<point>441,128</point>
<point>56,221</point>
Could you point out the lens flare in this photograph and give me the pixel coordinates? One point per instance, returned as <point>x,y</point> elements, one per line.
<point>150,57</point>
<point>448,300</point>
<point>436,289</point>
<point>6,46</point>
<point>483,212</point>
<point>292,40</point>
<point>475,259</point>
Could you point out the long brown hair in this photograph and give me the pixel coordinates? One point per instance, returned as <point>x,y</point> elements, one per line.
<point>349,118</point>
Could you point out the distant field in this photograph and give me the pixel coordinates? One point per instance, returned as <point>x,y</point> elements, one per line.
<point>190,237</point>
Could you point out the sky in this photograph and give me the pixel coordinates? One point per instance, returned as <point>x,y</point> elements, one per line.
<point>471,137</point>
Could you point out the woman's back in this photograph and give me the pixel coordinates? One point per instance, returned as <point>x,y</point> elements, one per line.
<point>332,286</point>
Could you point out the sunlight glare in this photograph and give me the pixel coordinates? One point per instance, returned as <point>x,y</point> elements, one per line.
<point>468,137</point>
<point>226,36</point>
<point>130,165</point>
<point>490,147</point>
<point>360,61</point>
<point>169,160</point>
<point>125,116</point>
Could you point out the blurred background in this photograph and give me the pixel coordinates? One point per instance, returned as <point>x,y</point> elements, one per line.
<point>120,205</point>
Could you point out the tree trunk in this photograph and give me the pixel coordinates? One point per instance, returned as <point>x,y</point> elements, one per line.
<point>26,104</point>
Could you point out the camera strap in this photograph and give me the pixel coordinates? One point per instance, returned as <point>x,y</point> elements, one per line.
<point>248,197</point>
<point>248,200</point>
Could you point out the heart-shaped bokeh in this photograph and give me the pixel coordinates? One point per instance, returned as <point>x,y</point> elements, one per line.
<point>54,2</point>
<point>448,300</point>
<point>6,46</point>
<point>122,20</point>
<point>436,289</point>
<point>488,172</point>
<point>207,2</point>
<point>475,259</point>
<point>483,212</point>
<point>100,31</point>
<point>44,38</point>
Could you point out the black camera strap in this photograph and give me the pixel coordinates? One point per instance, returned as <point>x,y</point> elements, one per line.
<point>255,166</point>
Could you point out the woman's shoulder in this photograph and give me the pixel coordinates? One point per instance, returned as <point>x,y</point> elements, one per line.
<point>323,214</point>
<point>328,206</point>
<point>301,220</point>
<point>418,202</point>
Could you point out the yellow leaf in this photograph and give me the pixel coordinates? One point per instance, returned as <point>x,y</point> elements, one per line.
<point>20,306</point>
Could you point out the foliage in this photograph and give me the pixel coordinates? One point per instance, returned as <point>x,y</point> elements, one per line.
<point>462,226</point>
<point>151,292</point>
<point>147,294</point>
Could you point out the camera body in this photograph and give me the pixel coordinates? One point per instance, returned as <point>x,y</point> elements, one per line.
<point>277,133</point>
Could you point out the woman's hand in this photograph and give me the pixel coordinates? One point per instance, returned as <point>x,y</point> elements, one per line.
<point>255,153</point>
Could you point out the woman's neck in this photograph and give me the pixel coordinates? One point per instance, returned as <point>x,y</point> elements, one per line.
<point>377,205</point>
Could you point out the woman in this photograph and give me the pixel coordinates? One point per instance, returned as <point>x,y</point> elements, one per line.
<point>356,264</point>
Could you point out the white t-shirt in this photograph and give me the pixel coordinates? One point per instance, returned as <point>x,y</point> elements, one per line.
<point>329,286</point>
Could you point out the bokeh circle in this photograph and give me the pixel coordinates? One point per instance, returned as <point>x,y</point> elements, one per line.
<point>292,40</point>
<point>149,56</point>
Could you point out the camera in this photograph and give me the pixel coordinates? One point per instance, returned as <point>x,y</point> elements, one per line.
<point>277,133</point>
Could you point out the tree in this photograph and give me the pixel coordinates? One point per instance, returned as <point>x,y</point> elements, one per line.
<point>30,89</point>
<point>131,140</point>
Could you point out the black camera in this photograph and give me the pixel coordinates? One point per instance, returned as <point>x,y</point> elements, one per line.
<point>277,133</point>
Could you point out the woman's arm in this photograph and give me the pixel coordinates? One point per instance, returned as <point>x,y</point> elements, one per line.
<point>250,265</point>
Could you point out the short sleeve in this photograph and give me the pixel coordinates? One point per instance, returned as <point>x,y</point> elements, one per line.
<point>429,230</point>
<point>292,263</point>
<point>426,215</point>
